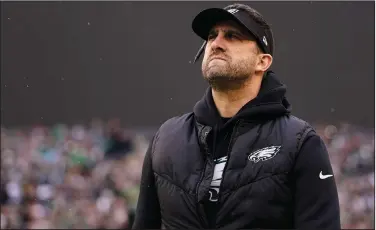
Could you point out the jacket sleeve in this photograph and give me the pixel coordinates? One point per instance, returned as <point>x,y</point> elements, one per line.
<point>147,214</point>
<point>316,198</point>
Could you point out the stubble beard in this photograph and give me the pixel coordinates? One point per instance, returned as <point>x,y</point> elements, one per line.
<point>226,77</point>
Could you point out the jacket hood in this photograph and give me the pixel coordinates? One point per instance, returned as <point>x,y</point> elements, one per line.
<point>270,103</point>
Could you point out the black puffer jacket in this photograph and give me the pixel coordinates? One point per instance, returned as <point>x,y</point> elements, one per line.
<point>273,177</point>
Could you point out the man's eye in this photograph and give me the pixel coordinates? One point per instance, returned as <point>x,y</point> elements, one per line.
<point>231,35</point>
<point>211,36</point>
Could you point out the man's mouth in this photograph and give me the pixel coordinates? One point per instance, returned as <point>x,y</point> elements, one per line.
<point>218,58</point>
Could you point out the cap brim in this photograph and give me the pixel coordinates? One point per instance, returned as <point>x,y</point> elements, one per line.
<point>206,19</point>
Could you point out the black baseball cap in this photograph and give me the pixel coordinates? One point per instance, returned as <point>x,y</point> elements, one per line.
<point>206,19</point>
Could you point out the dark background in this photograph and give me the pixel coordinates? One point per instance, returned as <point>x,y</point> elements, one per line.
<point>72,61</point>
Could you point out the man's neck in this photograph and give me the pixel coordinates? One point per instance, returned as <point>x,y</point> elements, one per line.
<point>230,102</point>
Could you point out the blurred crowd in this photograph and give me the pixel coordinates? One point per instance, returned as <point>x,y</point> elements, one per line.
<point>70,177</point>
<point>352,154</point>
<point>88,176</point>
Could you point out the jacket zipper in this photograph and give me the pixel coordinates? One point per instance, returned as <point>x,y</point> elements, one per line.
<point>207,153</point>
<point>198,185</point>
<point>214,140</point>
<point>224,169</point>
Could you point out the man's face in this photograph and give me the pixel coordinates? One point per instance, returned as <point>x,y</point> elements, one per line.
<point>231,55</point>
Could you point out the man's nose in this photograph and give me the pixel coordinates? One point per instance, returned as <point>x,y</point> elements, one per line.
<point>218,42</point>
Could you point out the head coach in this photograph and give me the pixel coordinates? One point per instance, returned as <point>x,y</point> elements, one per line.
<point>240,159</point>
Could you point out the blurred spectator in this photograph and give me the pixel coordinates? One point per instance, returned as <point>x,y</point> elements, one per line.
<point>88,177</point>
<point>119,142</point>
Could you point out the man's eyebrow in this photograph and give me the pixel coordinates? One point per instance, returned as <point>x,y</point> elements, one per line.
<point>212,31</point>
<point>244,34</point>
<point>236,31</point>
<point>232,30</point>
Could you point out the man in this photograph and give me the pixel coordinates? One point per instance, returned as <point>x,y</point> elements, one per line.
<point>239,160</point>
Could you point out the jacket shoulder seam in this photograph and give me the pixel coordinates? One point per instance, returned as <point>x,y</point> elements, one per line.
<point>304,129</point>
<point>165,124</point>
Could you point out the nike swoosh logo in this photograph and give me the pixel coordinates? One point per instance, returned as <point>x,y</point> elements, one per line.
<point>322,177</point>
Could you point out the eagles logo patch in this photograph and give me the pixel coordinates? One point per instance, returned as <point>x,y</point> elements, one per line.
<point>264,154</point>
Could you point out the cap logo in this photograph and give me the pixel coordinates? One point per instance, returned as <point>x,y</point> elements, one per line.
<point>233,11</point>
<point>265,41</point>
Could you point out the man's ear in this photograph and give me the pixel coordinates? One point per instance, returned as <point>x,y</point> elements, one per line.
<point>264,62</point>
